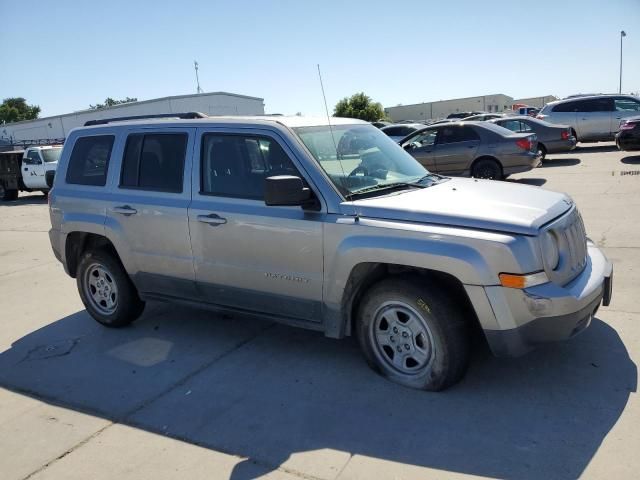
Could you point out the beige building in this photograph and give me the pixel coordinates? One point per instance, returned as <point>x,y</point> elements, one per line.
<point>440,109</point>
<point>58,126</point>
<point>499,102</point>
<point>537,102</point>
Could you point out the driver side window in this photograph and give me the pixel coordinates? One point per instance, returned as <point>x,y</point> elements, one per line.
<point>33,158</point>
<point>236,165</point>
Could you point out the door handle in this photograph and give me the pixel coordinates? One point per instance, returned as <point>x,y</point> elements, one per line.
<point>125,210</point>
<point>26,169</point>
<point>212,219</point>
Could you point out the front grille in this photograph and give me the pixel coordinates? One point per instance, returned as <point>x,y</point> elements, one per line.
<point>571,236</point>
<point>577,240</point>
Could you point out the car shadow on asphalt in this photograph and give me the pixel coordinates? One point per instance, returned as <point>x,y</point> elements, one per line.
<point>594,147</point>
<point>30,200</point>
<point>560,162</point>
<point>632,160</point>
<point>268,392</point>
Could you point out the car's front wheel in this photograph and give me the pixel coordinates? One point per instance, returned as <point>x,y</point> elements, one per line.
<point>106,290</point>
<point>411,331</point>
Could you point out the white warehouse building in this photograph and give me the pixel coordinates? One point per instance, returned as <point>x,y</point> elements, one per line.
<point>58,127</point>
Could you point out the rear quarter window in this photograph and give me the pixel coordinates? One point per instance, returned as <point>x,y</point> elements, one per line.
<point>89,161</point>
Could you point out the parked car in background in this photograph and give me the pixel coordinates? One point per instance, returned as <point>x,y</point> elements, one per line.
<point>27,170</point>
<point>380,124</point>
<point>551,138</point>
<point>592,118</point>
<point>399,131</point>
<point>461,115</point>
<point>483,117</point>
<point>628,138</point>
<point>477,149</point>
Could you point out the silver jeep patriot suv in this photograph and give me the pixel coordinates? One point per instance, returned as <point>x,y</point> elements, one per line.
<point>331,227</point>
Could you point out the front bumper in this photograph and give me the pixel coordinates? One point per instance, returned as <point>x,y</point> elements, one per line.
<point>548,313</point>
<point>628,141</point>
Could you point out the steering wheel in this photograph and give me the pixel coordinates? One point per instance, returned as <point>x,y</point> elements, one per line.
<point>371,170</point>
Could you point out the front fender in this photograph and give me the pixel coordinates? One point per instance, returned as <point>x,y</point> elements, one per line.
<point>473,257</point>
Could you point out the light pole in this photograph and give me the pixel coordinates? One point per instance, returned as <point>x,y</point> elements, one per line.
<point>622,35</point>
<point>195,65</point>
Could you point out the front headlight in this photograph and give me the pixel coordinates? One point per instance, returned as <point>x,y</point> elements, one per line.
<point>550,250</point>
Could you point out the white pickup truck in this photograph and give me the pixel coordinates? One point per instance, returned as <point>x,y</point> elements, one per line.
<point>26,170</point>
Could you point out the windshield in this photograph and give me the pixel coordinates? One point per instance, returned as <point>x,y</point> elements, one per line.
<point>360,157</point>
<point>51,154</point>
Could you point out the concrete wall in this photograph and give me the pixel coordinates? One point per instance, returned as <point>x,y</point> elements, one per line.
<point>57,127</point>
<point>537,102</point>
<point>437,110</point>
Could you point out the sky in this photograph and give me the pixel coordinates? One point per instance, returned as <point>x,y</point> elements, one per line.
<point>66,55</point>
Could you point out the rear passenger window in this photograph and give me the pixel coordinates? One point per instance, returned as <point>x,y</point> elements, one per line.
<point>596,105</point>
<point>89,160</point>
<point>154,162</point>
<point>236,165</point>
<point>457,134</point>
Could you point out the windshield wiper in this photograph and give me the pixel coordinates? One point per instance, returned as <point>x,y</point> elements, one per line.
<point>390,186</point>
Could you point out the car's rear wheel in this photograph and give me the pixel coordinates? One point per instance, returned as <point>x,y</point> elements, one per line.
<point>487,168</point>
<point>412,332</point>
<point>106,290</point>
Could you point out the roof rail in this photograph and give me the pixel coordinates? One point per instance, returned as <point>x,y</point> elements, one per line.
<point>183,116</point>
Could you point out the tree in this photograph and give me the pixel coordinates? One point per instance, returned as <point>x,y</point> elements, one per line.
<point>110,102</point>
<point>359,106</point>
<point>16,109</point>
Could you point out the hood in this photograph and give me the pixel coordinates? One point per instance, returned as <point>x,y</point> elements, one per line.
<point>473,203</point>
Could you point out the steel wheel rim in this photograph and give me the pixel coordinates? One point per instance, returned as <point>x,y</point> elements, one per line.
<point>101,289</point>
<point>402,339</point>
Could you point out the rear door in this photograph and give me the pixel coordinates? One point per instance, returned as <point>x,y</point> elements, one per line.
<point>456,147</point>
<point>33,170</point>
<point>422,148</point>
<point>148,209</point>
<point>594,118</point>
<point>248,255</point>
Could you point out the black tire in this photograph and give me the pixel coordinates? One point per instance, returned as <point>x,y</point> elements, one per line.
<point>573,132</point>
<point>542,151</point>
<point>487,168</point>
<point>6,194</point>
<point>437,314</point>
<point>110,312</point>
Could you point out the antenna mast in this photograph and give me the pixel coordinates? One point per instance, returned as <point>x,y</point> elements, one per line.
<point>195,66</point>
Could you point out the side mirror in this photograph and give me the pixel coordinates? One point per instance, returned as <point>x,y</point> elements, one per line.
<point>408,146</point>
<point>285,190</point>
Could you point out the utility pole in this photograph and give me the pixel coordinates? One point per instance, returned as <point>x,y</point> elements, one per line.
<point>195,65</point>
<point>622,35</point>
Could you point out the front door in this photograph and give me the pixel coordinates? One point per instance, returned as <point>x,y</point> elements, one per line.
<point>148,209</point>
<point>33,170</point>
<point>456,147</point>
<point>248,255</point>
